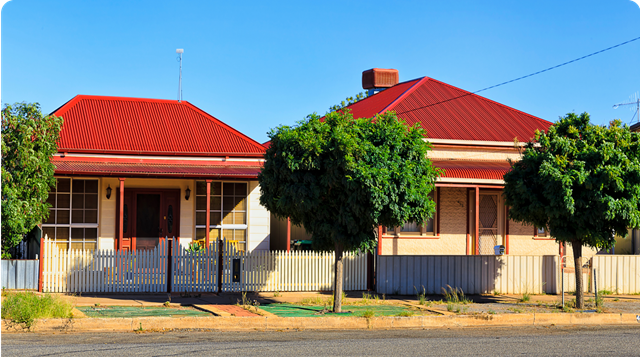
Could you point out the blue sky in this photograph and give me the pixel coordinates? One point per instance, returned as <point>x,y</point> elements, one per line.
<point>256,65</point>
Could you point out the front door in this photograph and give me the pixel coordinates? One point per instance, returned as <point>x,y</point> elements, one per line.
<point>150,216</point>
<point>488,224</point>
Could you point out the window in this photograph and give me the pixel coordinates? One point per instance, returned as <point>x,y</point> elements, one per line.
<point>413,228</point>
<point>227,212</point>
<point>73,215</point>
<point>541,232</point>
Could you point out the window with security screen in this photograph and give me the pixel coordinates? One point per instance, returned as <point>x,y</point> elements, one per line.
<point>227,212</point>
<point>73,215</point>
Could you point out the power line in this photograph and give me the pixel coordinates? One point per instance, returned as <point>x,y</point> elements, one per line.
<point>523,77</point>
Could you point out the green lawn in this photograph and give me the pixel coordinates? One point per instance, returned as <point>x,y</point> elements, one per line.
<point>292,310</point>
<point>135,311</point>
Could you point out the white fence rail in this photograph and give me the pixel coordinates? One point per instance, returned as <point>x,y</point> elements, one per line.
<point>619,274</point>
<point>147,271</point>
<point>408,275</point>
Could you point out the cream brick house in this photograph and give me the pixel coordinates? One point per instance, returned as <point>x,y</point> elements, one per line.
<point>472,139</point>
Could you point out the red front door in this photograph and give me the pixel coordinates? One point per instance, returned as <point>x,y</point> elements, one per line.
<point>149,217</point>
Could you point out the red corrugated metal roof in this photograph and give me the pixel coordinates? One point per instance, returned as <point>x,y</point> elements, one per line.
<point>489,170</point>
<point>141,126</point>
<point>129,169</point>
<point>471,117</point>
<point>635,127</point>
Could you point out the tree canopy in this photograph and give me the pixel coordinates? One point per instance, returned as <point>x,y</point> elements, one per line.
<point>580,181</point>
<point>29,140</point>
<point>341,177</point>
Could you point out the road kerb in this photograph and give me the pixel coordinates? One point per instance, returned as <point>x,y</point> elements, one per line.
<point>274,323</point>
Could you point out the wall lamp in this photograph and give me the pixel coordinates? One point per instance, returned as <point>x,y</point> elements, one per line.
<point>187,193</point>
<point>109,192</point>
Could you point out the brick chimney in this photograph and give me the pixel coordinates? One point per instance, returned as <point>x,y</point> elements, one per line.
<point>377,79</point>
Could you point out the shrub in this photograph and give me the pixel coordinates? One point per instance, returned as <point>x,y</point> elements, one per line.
<point>25,307</point>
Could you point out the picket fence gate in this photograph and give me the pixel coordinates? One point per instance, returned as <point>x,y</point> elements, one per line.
<point>151,271</point>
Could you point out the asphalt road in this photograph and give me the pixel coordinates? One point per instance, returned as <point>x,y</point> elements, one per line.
<point>529,341</point>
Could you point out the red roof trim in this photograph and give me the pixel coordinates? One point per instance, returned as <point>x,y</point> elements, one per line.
<point>487,170</point>
<point>101,169</point>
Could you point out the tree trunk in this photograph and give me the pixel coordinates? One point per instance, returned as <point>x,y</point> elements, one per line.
<point>337,279</point>
<point>577,262</point>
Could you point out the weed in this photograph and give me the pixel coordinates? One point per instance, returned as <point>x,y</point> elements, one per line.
<point>96,304</point>
<point>569,306</point>
<point>317,301</point>
<point>455,295</point>
<point>450,307</point>
<point>406,313</point>
<point>525,297</point>
<point>139,329</point>
<point>516,310</point>
<point>491,312</point>
<point>368,313</point>
<point>276,293</point>
<point>25,307</point>
<point>167,304</point>
<point>605,292</point>
<point>616,299</point>
<point>366,299</point>
<point>496,292</point>
<point>422,297</point>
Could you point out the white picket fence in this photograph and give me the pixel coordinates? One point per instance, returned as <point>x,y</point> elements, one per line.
<point>104,270</point>
<point>146,271</point>
<point>291,271</point>
<point>194,271</point>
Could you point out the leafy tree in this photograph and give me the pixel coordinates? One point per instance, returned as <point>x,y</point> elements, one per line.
<point>341,178</point>
<point>581,182</point>
<point>29,140</point>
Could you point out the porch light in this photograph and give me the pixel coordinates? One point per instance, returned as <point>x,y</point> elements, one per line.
<point>187,193</point>
<point>109,192</point>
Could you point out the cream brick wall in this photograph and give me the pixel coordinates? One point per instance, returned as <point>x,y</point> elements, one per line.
<point>453,230</point>
<point>452,240</point>
<point>486,154</point>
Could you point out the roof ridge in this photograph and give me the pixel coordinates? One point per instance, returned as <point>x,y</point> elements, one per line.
<point>419,82</point>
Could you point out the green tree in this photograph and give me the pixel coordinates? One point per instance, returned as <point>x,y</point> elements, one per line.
<point>581,182</point>
<point>29,140</point>
<point>341,178</point>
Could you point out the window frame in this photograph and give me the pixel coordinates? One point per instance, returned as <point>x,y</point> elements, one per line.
<point>541,236</point>
<point>221,227</point>
<point>54,208</point>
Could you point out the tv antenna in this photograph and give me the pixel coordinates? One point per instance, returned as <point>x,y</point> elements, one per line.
<point>180,51</point>
<point>635,100</point>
